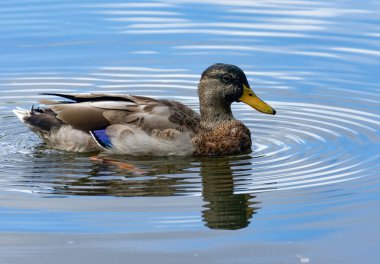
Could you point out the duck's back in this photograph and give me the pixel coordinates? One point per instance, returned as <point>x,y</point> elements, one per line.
<point>125,124</point>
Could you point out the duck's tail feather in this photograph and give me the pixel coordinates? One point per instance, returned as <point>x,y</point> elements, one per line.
<point>38,119</point>
<point>21,113</point>
<point>44,122</point>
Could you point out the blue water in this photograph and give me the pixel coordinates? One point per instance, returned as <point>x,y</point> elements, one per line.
<point>308,193</point>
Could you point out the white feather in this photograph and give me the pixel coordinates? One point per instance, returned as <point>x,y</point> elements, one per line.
<point>110,104</point>
<point>69,139</point>
<point>133,141</point>
<point>21,113</point>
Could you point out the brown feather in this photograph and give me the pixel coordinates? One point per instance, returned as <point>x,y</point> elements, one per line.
<point>227,138</point>
<point>95,111</point>
<point>81,116</point>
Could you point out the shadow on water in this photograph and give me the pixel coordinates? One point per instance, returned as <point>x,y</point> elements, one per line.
<point>215,178</point>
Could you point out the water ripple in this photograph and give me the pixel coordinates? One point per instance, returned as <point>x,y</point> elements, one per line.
<point>305,145</point>
<point>307,65</point>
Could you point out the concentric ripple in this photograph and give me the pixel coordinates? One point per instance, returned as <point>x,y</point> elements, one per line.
<point>315,145</point>
<point>298,55</point>
<point>304,145</point>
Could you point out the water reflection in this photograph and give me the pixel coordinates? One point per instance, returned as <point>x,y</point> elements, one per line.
<point>317,63</point>
<point>117,176</point>
<point>224,209</point>
<point>216,179</point>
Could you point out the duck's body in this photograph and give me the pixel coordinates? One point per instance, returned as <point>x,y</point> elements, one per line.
<point>136,125</point>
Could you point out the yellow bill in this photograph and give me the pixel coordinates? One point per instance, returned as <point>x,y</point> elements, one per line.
<point>251,99</point>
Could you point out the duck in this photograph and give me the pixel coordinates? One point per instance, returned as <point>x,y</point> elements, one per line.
<point>143,126</point>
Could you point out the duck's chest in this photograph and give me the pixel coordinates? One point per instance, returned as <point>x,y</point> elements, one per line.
<point>227,138</point>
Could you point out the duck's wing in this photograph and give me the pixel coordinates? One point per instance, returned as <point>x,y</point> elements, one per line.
<point>90,112</point>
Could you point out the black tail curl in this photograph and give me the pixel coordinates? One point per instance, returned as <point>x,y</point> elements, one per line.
<point>42,119</point>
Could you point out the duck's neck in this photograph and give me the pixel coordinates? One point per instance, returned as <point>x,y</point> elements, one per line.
<point>214,113</point>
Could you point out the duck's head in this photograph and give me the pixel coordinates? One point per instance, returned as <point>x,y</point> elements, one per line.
<point>223,84</point>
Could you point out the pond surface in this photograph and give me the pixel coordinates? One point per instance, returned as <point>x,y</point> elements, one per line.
<point>308,193</point>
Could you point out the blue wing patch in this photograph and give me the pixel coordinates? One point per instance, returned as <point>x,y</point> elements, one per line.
<point>101,138</point>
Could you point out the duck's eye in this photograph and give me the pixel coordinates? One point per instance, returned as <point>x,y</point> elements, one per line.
<point>226,78</point>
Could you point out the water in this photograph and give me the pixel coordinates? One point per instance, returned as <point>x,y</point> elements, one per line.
<point>308,193</point>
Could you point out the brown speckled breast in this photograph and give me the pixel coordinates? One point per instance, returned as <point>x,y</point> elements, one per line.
<point>228,138</point>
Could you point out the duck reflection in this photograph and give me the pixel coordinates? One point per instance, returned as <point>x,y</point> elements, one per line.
<point>114,175</point>
<point>132,177</point>
<point>224,208</point>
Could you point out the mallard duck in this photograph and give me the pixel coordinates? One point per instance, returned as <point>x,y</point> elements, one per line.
<point>143,126</point>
